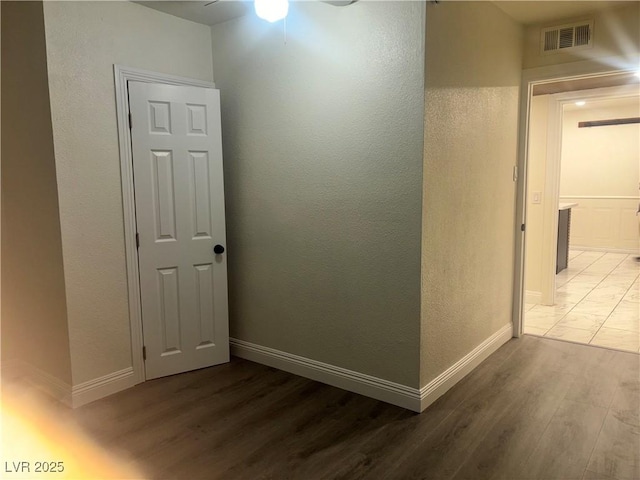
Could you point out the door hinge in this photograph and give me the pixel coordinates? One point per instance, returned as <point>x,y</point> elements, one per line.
<point>144,353</point>
<point>515,173</point>
<point>137,240</point>
<point>522,227</point>
<point>130,122</point>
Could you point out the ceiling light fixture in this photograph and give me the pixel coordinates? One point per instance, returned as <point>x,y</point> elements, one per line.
<point>271,10</point>
<point>581,103</point>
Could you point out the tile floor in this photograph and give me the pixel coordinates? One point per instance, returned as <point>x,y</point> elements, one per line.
<point>597,302</point>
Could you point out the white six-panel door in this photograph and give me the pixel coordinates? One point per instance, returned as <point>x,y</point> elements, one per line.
<point>179,198</point>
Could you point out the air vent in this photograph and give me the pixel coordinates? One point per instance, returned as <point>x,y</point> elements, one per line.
<point>569,37</point>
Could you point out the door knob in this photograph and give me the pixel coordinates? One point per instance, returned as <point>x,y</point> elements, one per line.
<point>218,249</point>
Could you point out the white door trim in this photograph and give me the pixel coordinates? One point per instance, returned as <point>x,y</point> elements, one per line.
<point>122,75</point>
<point>550,198</point>
<point>530,77</point>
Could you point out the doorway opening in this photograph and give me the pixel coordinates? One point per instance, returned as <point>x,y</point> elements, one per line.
<point>579,202</point>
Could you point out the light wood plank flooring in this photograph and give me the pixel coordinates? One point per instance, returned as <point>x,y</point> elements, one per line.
<point>536,409</point>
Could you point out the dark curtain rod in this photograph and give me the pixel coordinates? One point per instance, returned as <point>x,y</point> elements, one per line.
<point>604,123</point>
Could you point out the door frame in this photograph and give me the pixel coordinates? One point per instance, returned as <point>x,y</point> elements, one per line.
<point>530,77</point>
<point>122,75</point>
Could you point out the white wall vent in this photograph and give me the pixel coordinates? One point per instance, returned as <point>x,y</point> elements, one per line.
<point>568,37</point>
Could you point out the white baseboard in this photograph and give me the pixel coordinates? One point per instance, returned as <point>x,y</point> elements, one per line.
<point>443,382</point>
<point>101,387</point>
<point>532,297</point>
<point>378,388</point>
<point>51,386</point>
<point>10,370</point>
<point>73,397</point>
<point>401,395</point>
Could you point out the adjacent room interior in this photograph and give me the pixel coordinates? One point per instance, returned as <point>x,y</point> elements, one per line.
<point>594,266</point>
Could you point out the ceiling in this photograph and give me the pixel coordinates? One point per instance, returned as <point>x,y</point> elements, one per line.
<point>203,12</point>
<point>541,11</point>
<point>525,12</point>
<point>604,103</point>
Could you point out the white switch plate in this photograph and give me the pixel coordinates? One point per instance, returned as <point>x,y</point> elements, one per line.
<point>536,197</point>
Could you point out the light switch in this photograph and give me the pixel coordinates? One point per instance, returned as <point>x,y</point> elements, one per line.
<point>536,197</point>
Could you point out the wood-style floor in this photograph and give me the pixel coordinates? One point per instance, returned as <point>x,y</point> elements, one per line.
<point>536,409</point>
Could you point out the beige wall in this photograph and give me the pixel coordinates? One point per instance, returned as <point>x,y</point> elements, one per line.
<point>84,40</point>
<point>536,178</point>
<point>602,163</point>
<point>34,322</point>
<point>616,33</point>
<point>473,68</point>
<point>1,355</point>
<point>323,140</point>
